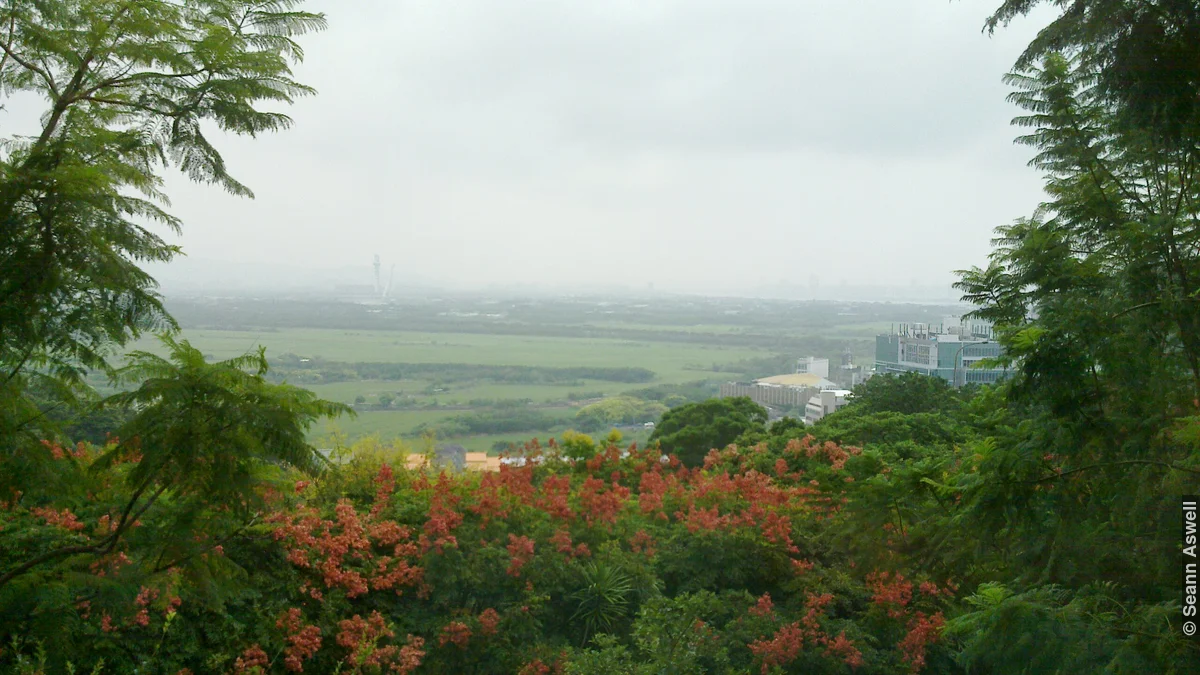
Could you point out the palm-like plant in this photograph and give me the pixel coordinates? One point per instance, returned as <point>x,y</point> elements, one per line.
<point>603,600</point>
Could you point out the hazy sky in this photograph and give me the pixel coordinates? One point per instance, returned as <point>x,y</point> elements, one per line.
<point>699,144</point>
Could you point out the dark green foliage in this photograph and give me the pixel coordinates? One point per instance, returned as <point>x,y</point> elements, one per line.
<point>603,598</point>
<point>906,393</point>
<point>1097,303</point>
<point>1049,630</point>
<point>673,395</point>
<point>492,422</point>
<point>925,431</point>
<point>184,403</point>
<point>1146,54</point>
<point>691,430</point>
<point>187,476</point>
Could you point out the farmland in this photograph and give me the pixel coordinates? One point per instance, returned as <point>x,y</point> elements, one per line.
<point>484,372</point>
<point>672,362</point>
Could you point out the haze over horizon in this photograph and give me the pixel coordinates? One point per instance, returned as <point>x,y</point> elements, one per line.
<point>695,145</point>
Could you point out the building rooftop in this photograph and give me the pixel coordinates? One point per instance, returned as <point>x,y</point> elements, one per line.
<point>797,380</point>
<point>475,461</point>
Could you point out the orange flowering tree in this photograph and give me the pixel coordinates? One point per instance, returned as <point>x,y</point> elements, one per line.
<point>552,564</point>
<point>200,552</point>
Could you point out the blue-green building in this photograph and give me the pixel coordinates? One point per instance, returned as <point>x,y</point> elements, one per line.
<point>950,351</point>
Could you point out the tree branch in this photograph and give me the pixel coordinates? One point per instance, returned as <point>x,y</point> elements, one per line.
<point>12,27</point>
<point>1150,462</point>
<point>1134,309</point>
<point>46,557</point>
<point>27,65</point>
<point>103,547</point>
<point>245,526</point>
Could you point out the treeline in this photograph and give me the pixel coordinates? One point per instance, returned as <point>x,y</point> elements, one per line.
<point>744,315</point>
<point>672,395</point>
<point>617,411</point>
<point>301,370</point>
<point>501,421</point>
<point>762,366</point>
<point>800,337</point>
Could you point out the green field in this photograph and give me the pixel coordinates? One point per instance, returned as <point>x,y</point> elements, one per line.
<point>388,424</point>
<point>461,394</point>
<point>672,363</point>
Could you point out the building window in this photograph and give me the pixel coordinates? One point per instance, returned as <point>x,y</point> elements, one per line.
<point>915,353</point>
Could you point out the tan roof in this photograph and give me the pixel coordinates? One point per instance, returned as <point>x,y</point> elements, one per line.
<point>476,461</point>
<point>796,380</point>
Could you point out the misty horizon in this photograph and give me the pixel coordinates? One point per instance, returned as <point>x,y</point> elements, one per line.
<point>701,147</point>
<point>187,277</point>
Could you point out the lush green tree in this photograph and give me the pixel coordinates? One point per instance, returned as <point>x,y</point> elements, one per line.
<point>617,410</point>
<point>1097,301</point>
<point>691,430</point>
<point>1145,55</point>
<point>906,393</point>
<point>191,467</point>
<point>924,432</point>
<point>577,446</point>
<point>130,88</point>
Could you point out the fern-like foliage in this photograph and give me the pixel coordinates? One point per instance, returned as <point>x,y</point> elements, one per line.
<point>130,89</point>
<point>197,463</point>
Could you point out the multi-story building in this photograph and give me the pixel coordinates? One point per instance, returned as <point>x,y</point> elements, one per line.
<point>848,375</point>
<point>770,394</point>
<point>825,403</point>
<point>785,391</point>
<point>811,365</point>
<point>950,350</point>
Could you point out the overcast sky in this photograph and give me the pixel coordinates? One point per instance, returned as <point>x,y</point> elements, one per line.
<point>695,144</point>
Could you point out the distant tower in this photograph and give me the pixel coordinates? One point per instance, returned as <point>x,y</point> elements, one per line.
<point>378,288</point>
<point>850,374</point>
<point>391,277</point>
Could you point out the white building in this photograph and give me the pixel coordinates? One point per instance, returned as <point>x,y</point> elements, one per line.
<point>825,403</point>
<point>812,365</point>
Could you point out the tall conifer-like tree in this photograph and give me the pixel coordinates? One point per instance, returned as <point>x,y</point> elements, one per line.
<point>1096,296</point>
<point>131,88</point>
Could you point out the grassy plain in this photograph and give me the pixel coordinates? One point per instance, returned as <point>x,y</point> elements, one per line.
<point>672,363</point>
<point>464,393</point>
